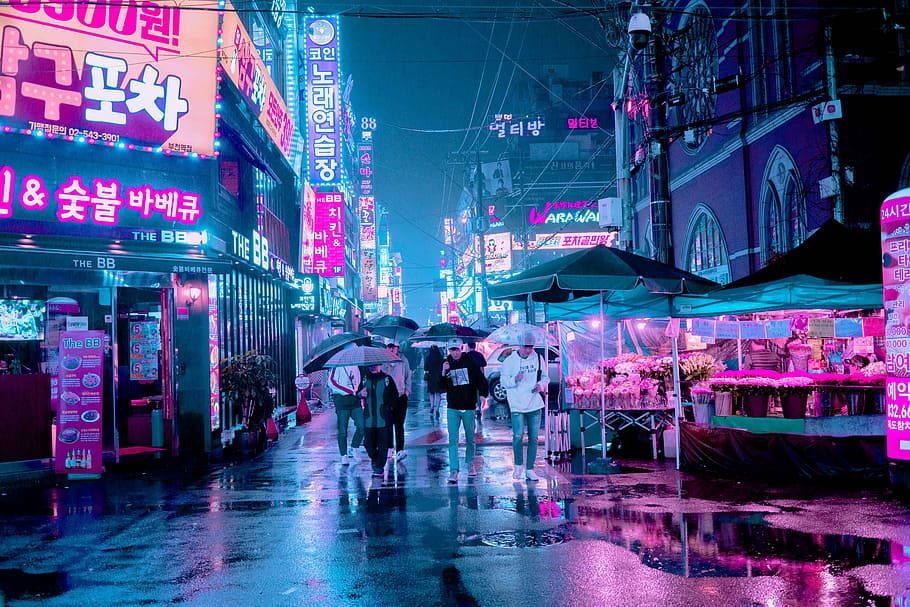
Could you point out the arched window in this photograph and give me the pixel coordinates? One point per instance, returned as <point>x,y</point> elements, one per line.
<point>706,251</point>
<point>783,206</point>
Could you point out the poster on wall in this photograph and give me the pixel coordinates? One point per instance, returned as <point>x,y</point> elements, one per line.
<point>145,343</point>
<point>141,74</point>
<point>81,380</point>
<point>895,221</point>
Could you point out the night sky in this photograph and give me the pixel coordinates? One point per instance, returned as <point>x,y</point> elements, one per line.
<point>433,86</point>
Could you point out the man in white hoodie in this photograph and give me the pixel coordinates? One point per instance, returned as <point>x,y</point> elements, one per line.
<point>525,380</point>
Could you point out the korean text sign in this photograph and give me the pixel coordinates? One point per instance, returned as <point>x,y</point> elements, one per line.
<point>328,237</point>
<point>895,221</point>
<point>80,384</point>
<point>245,68</point>
<point>322,100</point>
<point>41,190</point>
<point>137,73</point>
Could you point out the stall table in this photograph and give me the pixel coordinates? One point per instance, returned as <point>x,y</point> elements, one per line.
<point>653,420</point>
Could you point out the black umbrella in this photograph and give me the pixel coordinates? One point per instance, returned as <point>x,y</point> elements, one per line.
<point>321,354</point>
<point>396,328</point>
<point>444,331</point>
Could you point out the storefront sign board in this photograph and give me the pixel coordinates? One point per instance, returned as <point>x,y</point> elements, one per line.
<point>895,226</point>
<point>702,327</point>
<point>81,381</point>
<point>727,330</point>
<point>752,330</point>
<point>821,327</point>
<point>848,327</point>
<point>777,329</point>
<point>140,74</point>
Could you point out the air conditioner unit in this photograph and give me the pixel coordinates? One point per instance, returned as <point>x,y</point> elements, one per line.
<point>609,212</point>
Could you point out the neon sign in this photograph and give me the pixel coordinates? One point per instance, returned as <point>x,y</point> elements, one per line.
<point>99,204</point>
<point>106,72</point>
<point>323,81</point>
<point>565,211</point>
<point>328,237</point>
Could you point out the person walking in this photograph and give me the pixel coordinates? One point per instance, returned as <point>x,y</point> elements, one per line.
<point>379,396</point>
<point>480,360</point>
<point>433,370</point>
<point>462,381</point>
<point>343,383</point>
<point>522,375</point>
<point>401,375</point>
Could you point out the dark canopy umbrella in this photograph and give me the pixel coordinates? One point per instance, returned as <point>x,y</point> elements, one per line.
<point>443,331</point>
<point>598,270</point>
<point>332,345</point>
<point>395,328</point>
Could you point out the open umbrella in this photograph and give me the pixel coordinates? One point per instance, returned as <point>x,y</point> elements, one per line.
<point>396,328</point>
<point>330,346</point>
<point>441,332</point>
<point>361,356</point>
<point>517,334</point>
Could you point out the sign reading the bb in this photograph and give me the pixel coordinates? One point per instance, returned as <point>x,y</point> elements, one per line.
<point>895,220</point>
<point>140,74</point>
<point>323,82</point>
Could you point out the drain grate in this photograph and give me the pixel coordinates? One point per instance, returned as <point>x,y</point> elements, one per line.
<point>524,539</point>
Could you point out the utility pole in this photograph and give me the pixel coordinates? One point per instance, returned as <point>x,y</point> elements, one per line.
<point>833,145</point>
<point>481,221</point>
<point>661,211</point>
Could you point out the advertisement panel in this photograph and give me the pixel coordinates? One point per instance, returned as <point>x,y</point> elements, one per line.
<point>328,236</point>
<point>81,384</point>
<point>307,227</point>
<point>498,252</point>
<point>138,75</point>
<point>243,66</point>
<point>323,83</point>
<point>566,240</point>
<point>214,359</point>
<point>895,220</point>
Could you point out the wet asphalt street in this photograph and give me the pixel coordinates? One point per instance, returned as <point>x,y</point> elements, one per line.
<point>293,526</point>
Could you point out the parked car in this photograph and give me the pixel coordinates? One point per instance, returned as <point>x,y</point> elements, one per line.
<point>494,366</point>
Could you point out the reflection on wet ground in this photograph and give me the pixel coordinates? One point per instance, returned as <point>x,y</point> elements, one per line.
<point>723,542</point>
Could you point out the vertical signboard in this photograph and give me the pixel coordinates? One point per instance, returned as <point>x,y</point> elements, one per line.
<point>214,366</point>
<point>307,228</point>
<point>140,74</point>
<point>145,342</point>
<point>323,80</point>
<point>328,236</point>
<point>895,221</point>
<point>241,61</point>
<point>80,380</point>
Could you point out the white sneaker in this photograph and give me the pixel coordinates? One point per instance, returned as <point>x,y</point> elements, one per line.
<point>519,471</point>
<point>453,477</point>
<point>531,475</point>
<point>401,455</point>
<point>345,460</point>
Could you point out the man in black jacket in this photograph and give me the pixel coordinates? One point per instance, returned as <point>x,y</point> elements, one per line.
<point>462,381</point>
<point>379,394</point>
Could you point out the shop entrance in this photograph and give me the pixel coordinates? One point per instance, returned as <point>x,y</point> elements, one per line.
<point>144,412</point>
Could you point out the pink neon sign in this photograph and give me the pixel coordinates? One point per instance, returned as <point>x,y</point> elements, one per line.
<point>99,204</point>
<point>895,219</point>
<point>328,237</point>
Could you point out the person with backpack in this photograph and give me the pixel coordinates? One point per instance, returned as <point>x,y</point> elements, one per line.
<point>523,376</point>
<point>379,396</point>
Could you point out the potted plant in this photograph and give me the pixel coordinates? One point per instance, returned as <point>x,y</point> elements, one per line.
<point>702,407</point>
<point>723,386</point>
<point>794,391</point>
<point>247,381</point>
<point>755,391</point>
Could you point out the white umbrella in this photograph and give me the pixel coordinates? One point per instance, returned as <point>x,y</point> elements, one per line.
<point>520,334</point>
<point>362,356</point>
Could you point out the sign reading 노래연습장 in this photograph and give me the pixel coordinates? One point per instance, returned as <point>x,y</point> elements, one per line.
<point>895,222</point>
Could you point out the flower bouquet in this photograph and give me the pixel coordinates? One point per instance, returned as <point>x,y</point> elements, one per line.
<point>698,366</point>
<point>702,394</point>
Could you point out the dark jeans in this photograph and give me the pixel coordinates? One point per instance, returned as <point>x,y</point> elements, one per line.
<point>399,412</point>
<point>376,441</point>
<point>344,415</point>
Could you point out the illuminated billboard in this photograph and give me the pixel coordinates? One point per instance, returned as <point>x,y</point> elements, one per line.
<point>323,83</point>
<point>133,75</point>
<point>328,236</point>
<point>307,228</point>
<point>243,66</point>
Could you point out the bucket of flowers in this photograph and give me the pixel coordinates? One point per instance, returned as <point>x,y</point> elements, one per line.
<point>696,367</point>
<point>723,385</point>
<point>875,376</point>
<point>794,389</point>
<point>756,388</point>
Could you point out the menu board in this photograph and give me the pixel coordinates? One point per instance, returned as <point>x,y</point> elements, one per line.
<point>145,342</point>
<point>895,219</point>
<point>80,375</point>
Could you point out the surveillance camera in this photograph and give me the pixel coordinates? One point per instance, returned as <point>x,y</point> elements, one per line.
<point>639,30</point>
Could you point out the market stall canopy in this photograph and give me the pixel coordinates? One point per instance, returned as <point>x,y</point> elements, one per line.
<point>598,270</point>
<point>837,267</point>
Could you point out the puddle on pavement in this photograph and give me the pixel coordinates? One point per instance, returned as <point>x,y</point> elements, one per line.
<point>17,584</point>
